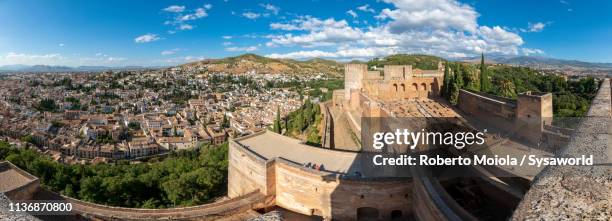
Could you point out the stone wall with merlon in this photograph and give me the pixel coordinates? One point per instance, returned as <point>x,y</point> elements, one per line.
<point>353,75</point>
<point>577,192</point>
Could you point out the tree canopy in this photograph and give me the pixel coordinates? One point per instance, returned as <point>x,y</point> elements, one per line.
<point>184,178</point>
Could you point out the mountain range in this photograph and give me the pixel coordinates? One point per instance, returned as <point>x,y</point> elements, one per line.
<point>51,68</point>
<point>259,64</point>
<point>539,62</point>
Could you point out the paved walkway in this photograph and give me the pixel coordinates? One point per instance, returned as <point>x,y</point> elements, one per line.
<point>343,139</point>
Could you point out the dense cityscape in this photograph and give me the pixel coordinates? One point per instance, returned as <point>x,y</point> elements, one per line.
<point>133,114</point>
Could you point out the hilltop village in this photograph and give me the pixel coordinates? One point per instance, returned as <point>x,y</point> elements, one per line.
<point>95,117</point>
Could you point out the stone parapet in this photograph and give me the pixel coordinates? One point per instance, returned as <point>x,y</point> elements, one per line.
<point>577,192</point>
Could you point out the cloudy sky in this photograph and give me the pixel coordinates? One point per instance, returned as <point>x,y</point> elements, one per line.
<point>165,32</point>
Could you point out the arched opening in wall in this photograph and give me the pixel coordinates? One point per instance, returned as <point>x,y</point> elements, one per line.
<point>367,214</point>
<point>416,86</point>
<point>395,86</point>
<point>396,215</point>
<point>424,86</point>
<point>403,87</point>
<point>433,90</point>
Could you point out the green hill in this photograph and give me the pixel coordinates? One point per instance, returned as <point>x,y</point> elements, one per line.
<point>251,62</point>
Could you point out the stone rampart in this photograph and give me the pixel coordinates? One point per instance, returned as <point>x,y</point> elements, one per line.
<point>317,192</point>
<point>246,170</point>
<point>211,211</point>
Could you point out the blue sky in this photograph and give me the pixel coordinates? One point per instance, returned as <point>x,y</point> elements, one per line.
<point>165,32</point>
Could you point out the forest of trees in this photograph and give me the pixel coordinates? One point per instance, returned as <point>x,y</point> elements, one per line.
<point>571,98</point>
<point>184,178</point>
<point>315,86</point>
<point>303,122</point>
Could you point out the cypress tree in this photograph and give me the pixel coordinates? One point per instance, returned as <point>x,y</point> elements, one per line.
<point>484,77</point>
<point>458,76</point>
<point>447,81</point>
<point>277,122</point>
<point>225,123</point>
<point>454,94</point>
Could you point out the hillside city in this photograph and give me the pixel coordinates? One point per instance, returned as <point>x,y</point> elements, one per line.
<point>83,117</point>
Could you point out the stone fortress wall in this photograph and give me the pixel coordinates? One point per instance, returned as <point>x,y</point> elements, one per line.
<point>528,118</point>
<point>211,211</point>
<point>399,82</point>
<point>314,192</point>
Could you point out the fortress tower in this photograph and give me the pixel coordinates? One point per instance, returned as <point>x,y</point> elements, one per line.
<point>353,76</point>
<point>533,111</point>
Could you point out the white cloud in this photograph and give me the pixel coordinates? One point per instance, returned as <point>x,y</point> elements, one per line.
<point>245,49</point>
<point>185,27</point>
<point>351,53</point>
<point>366,8</point>
<point>59,59</point>
<point>251,15</point>
<point>181,60</point>
<point>146,38</point>
<point>309,23</point>
<point>175,8</point>
<point>181,20</point>
<point>113,59</point>
<point>536,27</point>
<point>282,26</point>
<point>435,14</point>
<point>499,36</point>
<point>227,37</point>
<point>193,58</point>
<point>352,13</point>
<point>61,44</point>
<point>272,8</point>
<point>199,13</point>
<point>227,43</point>
<point>325,37</point>
<point>22,58</point>
<point>445,28</point>
<point>171,51</point>
<point>530,51</point>
<point>304,54</point>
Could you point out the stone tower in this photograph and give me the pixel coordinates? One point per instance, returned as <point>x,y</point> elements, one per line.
<point>353,77</point>
<point>533,111</point>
